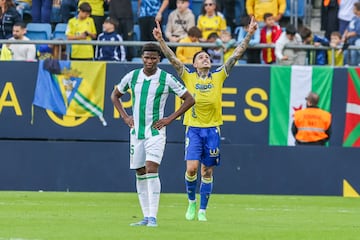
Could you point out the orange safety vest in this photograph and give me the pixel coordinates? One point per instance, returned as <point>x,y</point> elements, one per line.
<point>312,124</point>
<point>327,2</point>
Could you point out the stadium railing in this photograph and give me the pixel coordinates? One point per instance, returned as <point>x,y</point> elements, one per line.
<point>170,44</point>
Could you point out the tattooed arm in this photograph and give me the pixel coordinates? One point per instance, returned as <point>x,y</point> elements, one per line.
<point>169,54</point>
<point>240,49</point>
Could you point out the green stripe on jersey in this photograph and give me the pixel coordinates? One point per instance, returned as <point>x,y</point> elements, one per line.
<point>156,106</point>
<point>142,108</point>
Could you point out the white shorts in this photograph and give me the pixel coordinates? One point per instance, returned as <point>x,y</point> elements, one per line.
<point>149,149</point>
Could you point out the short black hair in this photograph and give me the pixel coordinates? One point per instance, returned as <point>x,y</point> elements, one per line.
<point>267,15</point>
<point>151,47</point>
<point>201,51</point>
<point>112,21</point>
<point>20,24</point>
<point>85,7</point>
<point>290,29</point>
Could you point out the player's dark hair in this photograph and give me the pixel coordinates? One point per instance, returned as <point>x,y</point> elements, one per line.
<point>195,55</point>
<point>151,47</point>
<point>194,32</point>
<point>20,24</point>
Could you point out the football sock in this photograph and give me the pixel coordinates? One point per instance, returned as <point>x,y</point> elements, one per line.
<point>190,183</point>
<point>142,190</point>
<point>205,191</point>
<point>154,188</point>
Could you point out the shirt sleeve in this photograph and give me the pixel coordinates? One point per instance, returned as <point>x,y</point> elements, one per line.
<point>175,86</point>
<point>124,84</point>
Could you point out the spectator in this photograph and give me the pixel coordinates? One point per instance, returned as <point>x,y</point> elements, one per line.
<point>289,56</point>
<point>179,21</point>
<point>257,8</point>
<point>82,27</point>
<point>329,19</point>
<point>121,11</point>
<point>210,20</point>
<point>251,55</point>
<point>312,125</point>
<point>268,35</point>
<point>110,53</point>
<point>229,8</point>
<point>97,12</point>
<point>22,6</point>
<point>8,16</point>
<point>227,43</point>
<point>21,52</point>
<point>351,37</point>
<point>337,54</point>
<point>41,11</point>
<point>66,9</point>
<point>186,54</point>
<point>149,11</point>
<point>215,53</point>
<point>314,57</point>
<point>345,14</point>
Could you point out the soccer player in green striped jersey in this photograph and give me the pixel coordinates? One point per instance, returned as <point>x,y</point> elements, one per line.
<point>204,120</point>
<point>150,87</point>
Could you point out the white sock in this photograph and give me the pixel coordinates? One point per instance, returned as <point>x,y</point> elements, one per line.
<point>154,188</point>
<point>142,190</point>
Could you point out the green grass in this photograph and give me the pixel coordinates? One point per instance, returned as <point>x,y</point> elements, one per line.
<point>77,216</point>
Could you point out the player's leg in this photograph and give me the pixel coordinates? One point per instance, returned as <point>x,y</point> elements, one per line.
<point>137,161</point>
<point>193,151</point>
<point>191,183</point>
<point>211,159</point>
<point>154,148</point>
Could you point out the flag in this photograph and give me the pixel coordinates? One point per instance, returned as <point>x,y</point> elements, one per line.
<point>289,85</point>
<point>352,121</point>
<point>75,89</point>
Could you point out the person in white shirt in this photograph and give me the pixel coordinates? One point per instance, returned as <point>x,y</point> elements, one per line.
<point>21,52</point>
<point>288,56</point>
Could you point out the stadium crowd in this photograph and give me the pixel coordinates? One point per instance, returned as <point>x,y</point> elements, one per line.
<point>190,21</point>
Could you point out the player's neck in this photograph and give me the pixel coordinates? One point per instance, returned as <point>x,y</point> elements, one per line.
<point>203,73</point>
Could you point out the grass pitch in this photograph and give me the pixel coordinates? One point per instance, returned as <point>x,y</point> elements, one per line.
<point>87,216</point>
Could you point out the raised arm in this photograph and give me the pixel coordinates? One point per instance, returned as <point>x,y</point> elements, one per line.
<point>240,49</point>
<point>169,54</point>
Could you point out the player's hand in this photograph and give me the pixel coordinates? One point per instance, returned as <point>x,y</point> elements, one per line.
<point>129,121</point>
<point>253,25</point>
<point>161,123</point>
<point>157,33</point>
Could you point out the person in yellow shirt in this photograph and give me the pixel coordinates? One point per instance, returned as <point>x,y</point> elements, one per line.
<point>185,54</point>
<point>258,8</point>
<point>97,12</point>
<point>82,27</point>
<point>210,20</point>
<point>203,120</point>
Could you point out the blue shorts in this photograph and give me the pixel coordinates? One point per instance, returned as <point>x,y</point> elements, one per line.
<point>203,144</point>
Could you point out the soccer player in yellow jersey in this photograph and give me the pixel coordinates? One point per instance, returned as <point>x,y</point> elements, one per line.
<point>205,117</point>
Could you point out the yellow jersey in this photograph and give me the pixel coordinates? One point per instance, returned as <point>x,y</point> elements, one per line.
<point>207,111</point>
<point>186,54</point>
<point>76,27</point>
<point>209,25</point>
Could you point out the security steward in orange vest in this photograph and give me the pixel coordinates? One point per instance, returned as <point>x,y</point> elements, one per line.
<point>312,125</point>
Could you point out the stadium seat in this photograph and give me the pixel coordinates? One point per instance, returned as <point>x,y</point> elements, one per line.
<point>38,31</point>
<point>59,31</point>
<point>196,7</point>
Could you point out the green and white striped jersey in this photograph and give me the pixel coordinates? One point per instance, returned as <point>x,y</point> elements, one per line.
<point>149,94</point>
